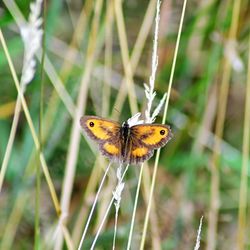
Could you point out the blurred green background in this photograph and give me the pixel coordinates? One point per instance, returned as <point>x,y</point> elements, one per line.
<point>198,174</point>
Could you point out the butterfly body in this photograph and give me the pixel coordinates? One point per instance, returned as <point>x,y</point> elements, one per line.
<point>123,143</point>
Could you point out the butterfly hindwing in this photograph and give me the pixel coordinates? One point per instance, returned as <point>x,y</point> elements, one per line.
<point>152,136</point>
<point>111,149</point>
<point>138,151</point>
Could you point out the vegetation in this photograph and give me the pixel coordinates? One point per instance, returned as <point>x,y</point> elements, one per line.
<point>93,58</point>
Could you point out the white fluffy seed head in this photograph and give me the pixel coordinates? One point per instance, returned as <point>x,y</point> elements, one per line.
<point>31,34</point>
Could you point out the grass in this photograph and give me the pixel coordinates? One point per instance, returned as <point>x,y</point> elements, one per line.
<point>96,51</point>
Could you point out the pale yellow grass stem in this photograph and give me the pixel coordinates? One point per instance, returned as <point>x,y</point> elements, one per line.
<point>33,133</point>
<point>155,230</point>
<point>125,56</point>
<point>163,121</point>
<point>136,53</point>
<point>129,65</point>
<point>242,220</point>
<point>75,131</point>
<point>108,58</point>
<point>219,127</point>
<point>53,103</point>
<point>79,31</point>
<point>10,142</point>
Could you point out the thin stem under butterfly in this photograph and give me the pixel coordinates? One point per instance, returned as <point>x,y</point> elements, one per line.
<point>135,207</point>
<point>107,211</point>
<point>94,205</point>
<point>117,195</point>
<point>150,95</point>
<point>163,121</point>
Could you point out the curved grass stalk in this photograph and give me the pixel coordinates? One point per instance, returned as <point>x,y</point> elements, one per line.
<point>31,34</point>
<point>53,103</point>
<point>51,72</point>
<point>35,138</point>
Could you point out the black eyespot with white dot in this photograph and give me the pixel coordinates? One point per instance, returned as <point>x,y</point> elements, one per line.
<point>162,132</point>
<point>91,124</point>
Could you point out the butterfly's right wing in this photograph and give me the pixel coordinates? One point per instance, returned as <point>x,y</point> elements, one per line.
<point>145,138</point>
<point>106,133</point>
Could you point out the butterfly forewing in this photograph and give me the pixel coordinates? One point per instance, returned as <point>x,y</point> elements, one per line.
<point>99,129</point>
<point>106,133</point>
<point>152,136</point>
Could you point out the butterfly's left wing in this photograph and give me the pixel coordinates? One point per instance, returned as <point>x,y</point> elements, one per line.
<point>105,132</point>
<point>145,138</point>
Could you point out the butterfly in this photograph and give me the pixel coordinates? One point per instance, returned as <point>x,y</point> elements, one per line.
<point>125,144</point>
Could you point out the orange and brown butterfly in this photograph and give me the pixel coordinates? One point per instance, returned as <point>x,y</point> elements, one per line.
<point>123,143</point>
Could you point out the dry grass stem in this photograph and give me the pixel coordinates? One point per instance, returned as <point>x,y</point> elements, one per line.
<point>150,95</point>
<point>32,129</point>
<point>118,188</point>
<point>31,34</point>
<point>98,55</point>
<point>108,58</point>
<point>219,127</point>
<point>242,214</point>
<point>75,132</point>
<point>134,208</point>
<point>163,121</point>
<point>125,56</point>
<point>136,53</point>
<point>154,222</point>
<point>117,194</point>
<point>49,68</point>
